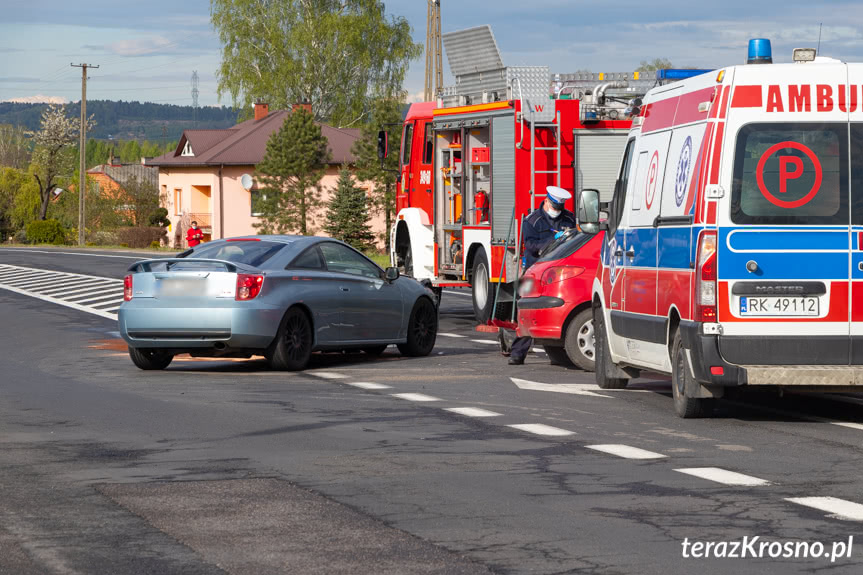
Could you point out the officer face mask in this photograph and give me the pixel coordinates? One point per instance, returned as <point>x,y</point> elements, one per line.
<point>551,211</point>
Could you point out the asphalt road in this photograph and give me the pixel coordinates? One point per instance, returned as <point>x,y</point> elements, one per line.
<point>442,464</point>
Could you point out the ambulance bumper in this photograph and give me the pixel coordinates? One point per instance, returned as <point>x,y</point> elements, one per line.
<point>710,369</point>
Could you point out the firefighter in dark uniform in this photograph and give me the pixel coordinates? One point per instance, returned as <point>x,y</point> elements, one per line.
<point>541,228</point>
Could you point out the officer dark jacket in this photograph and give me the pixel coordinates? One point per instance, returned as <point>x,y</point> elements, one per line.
<point>539,230</point>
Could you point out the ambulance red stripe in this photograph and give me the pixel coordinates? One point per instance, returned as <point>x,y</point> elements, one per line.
<point>747,97</point>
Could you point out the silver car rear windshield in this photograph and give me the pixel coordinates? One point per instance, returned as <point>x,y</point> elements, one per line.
<point>249,252</point>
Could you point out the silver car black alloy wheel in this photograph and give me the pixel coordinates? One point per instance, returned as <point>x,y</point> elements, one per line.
<point>296,337</point>
<point>587,340</point>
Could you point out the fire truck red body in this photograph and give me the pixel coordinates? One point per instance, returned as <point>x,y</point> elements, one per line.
<point>469,174</point>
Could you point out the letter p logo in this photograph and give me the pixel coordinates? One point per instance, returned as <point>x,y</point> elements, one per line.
<point>786,174</point>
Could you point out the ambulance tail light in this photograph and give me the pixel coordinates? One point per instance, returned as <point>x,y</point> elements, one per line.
<point>705,278</point>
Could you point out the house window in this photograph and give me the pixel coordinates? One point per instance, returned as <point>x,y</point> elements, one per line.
<point>187,149</point>
<point>178,201</point>
<point>258,199</point>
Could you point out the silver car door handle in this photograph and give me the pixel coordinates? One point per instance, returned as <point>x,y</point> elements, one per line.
<point>343,288</point>
<point>630,253</point>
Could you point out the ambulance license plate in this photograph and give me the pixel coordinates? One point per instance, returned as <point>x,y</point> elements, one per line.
<point>779,306</point>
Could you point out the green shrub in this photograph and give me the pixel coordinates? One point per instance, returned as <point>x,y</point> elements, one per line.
<point>155,244</point>
<point>124,245</point>
<point>139,237</point>
<point>46,232</point>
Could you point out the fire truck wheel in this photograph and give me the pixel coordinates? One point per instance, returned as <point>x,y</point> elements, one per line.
<point>148,358</point>
<point>681,379</point>
<point>483,298</point>
<point>604,366</point>
<point>579,341</point>
<point>406,261</point>
<point>422,329</point>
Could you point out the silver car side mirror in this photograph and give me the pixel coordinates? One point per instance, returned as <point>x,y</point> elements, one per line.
<point>392,274</point>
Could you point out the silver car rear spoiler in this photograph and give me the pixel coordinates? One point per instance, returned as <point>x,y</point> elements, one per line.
<point>145,265</point>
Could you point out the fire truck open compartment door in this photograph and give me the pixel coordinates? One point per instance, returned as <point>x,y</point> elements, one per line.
<point>597,156</point>
<point>502,178</point>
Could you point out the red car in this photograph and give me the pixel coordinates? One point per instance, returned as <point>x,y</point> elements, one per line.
<point>554,305</point>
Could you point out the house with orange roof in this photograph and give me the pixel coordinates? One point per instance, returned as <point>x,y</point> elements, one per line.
<point>202,179</point>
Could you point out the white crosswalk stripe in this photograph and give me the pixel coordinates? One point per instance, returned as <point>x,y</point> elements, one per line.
<point>92,294</point>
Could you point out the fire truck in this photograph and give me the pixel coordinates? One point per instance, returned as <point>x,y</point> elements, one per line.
<point>478,160</point>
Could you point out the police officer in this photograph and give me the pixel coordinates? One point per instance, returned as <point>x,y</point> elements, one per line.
<point>541,228</point>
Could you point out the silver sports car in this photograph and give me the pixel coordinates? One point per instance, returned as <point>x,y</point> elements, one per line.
<point>282,297</point>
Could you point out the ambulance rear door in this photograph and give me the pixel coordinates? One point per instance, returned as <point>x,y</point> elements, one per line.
<point>780,181</point>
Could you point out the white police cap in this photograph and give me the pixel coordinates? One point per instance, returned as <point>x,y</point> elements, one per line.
<point>557,195</point>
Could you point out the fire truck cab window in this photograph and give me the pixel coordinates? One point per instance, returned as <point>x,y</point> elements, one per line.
<point>791,174</point>
<point>407,144</point>
<point>428,146</point>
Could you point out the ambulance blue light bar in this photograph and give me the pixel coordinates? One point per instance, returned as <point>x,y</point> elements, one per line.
<point>672,74</point>
<point>760,51</point>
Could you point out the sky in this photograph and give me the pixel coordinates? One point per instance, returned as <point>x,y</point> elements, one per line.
<point>148,50</point>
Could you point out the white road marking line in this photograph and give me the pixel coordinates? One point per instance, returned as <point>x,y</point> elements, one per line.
<point>29,279</point>
<point>70,274</point>
<point>138,257</point>
<point>626,451</point>
<point>64,283</point>
<point>572,388</point>
<point>489,341</point>
<point>838,508</point>
<point>105,305</point>
<point>368,385</point>
<point>724,476</point>
<point>327,374</point>
<point>88,287</point>
<point>109,295</point>
<point>111,316</point>
<point>542,429</point>
<point>451,334</point>
<point>848,424</point>
<point>473,411</point>
<point>415,397</point>
<point>113,309</point>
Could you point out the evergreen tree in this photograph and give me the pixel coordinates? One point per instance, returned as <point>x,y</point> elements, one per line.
<point>291,172</point>
<point>348,214</point>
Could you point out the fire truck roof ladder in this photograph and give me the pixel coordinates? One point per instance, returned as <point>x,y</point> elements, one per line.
<point>555,126</point>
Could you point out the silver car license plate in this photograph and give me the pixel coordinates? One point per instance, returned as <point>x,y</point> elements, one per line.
<point>776,306</point>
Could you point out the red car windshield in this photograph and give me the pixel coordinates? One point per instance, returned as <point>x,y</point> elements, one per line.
<point>564,247</point>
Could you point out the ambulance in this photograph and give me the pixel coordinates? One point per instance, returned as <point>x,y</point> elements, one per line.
<point>733,252</point>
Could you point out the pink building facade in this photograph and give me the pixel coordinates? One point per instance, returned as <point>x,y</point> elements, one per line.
<point>202,180</point>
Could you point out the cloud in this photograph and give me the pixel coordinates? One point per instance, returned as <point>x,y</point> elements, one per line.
<point>414,97</point>
<point>19,80</point>
<point>141,46</point>
<point>38,99</point>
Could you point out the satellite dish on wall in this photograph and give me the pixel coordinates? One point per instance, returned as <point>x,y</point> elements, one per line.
<point>246,182</point>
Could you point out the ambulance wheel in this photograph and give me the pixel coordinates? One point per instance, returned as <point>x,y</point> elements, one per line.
<point>149,358</point>
<point>681,379</point>
<point>605,368</point>
<point>481,289</point>
<point>579,342</point>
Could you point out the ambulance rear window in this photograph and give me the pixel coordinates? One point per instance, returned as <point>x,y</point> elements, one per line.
<point>791,174</point>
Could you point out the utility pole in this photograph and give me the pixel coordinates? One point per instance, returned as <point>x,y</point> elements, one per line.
<point>82,168</point>
<point>434,57</point>
<point>195,95</point>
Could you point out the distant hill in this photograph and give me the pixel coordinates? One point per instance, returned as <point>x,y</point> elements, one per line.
<point>128,120</point>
